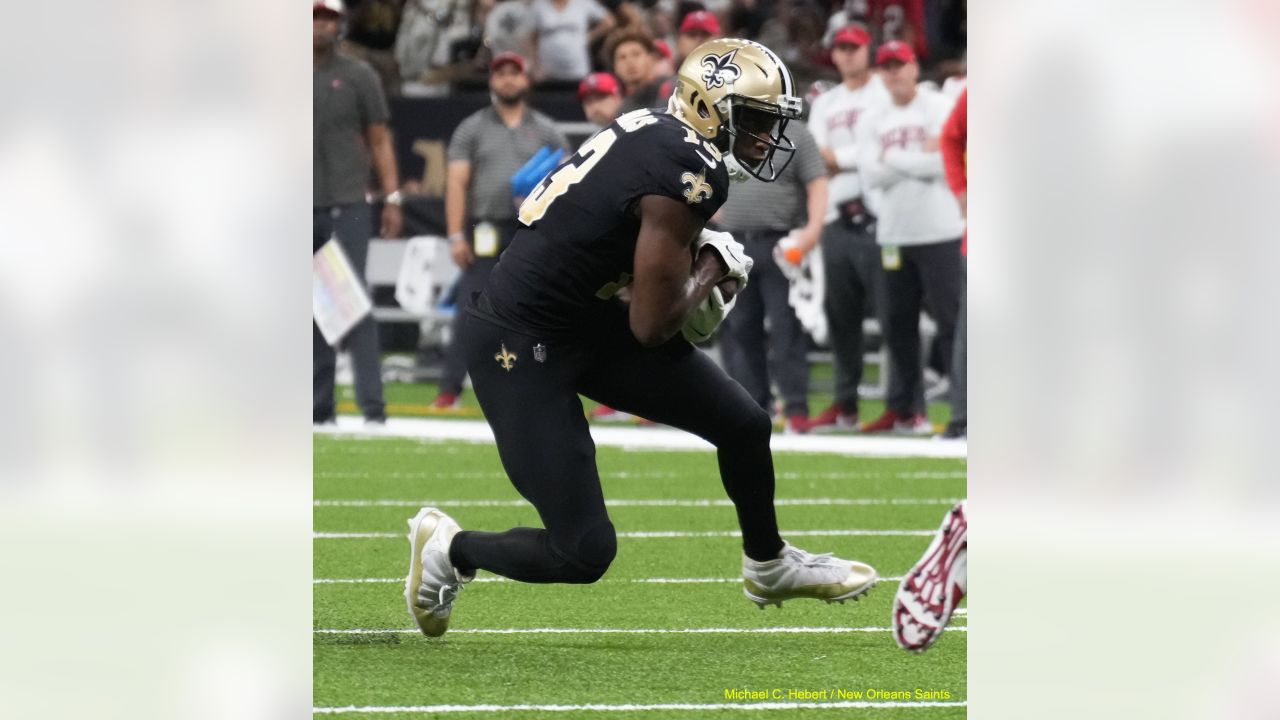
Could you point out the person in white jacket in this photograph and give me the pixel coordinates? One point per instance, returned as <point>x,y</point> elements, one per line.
<point>850,258</point>
<point>919,228</point>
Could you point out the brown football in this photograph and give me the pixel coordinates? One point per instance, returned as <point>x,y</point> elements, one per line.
<point>728,288</point>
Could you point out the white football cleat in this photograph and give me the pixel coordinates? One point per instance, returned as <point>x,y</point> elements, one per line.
<point>800,574</point>
<point>930,592</point>
<point>433,581</point>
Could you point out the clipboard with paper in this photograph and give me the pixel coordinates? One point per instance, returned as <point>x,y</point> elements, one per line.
<point>338,298</point>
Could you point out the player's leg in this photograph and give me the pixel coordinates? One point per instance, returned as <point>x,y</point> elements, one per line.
<point>545,445</point>
<point>678,385</point>
<point>742,342</point>
<point>546,448</point>
<point>455,357</point>
<point>352,226</point>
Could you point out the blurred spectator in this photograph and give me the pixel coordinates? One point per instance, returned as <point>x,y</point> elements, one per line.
<point>696,28</point>
<point>663,23</point>
<point>429,31</point>
<point>662,55</point>
<point>563,31</point>
<point>488,148</point>
<point>888,20</point>
<point>634,61</point>
<point>954,144</point>
<point>761,215</point>
<point>851,259</point>
<point>371,30</point>
<point>601,98</point>
<point>744,18</point>
<point>919,227</point>
<point>509,27</point>
<point>350,132</point>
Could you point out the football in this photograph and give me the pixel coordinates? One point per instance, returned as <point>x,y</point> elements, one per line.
<point>728,288</point>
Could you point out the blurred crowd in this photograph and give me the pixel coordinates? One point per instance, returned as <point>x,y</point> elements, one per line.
<point>427,47</point>
<point>858,237</point>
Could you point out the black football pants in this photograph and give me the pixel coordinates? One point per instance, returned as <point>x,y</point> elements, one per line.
<point>530,399</point>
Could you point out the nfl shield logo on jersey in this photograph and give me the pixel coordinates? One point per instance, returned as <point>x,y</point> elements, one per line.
<point>540,353</point>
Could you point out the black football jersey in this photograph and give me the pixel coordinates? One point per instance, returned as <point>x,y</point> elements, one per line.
<point>576,244</point>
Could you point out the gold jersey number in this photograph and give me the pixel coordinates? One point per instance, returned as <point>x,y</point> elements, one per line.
<point>570,174</point>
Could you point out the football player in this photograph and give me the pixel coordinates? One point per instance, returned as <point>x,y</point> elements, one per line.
<point>627,210</point>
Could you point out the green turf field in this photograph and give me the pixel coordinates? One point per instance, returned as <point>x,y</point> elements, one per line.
<point>686,584</point>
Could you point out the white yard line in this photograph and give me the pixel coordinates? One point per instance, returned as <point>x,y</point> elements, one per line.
<point>634,475</point>
<point>798,630</point>
<point>659,438</point>
<point>648,707</point>
<point>646,581</point>
<point>665,534</point>
<point>653,502</point>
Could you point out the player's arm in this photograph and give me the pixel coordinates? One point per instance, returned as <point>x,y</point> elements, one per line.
<point>455,210</point>
<point>665,289</point>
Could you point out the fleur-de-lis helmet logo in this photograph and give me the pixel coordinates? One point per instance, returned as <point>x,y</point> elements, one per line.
<point>717,70</point>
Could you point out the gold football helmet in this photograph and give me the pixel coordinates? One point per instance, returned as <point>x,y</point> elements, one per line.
<point>728,86</point>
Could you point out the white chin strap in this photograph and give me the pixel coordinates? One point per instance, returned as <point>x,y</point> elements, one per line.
<point>737,173</point>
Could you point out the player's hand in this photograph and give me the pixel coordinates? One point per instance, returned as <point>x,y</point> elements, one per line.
<point>392,221</point>
<point>737,262</point>
<point>706,318</point>
<point>463,256</point>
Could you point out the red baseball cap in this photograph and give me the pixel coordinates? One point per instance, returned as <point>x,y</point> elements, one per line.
<point>514,58</point>
<point>600,83</point>
<point>700,21</point>
<point>662,47</point>
<point>333,7</point>
<point>895,50</point>
<point>852,35</point>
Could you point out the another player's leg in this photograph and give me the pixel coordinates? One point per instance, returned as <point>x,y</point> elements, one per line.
<point>930,592</point>
<point>677,385</point>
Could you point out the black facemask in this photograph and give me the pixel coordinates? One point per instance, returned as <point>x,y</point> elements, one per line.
<point>767,127</point>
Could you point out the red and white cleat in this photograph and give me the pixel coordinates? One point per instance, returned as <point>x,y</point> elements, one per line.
<point>930,592</point>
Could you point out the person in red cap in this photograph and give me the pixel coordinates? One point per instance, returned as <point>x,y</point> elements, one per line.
<point>918,228</point>
<point>351,136</point>
<point>487,149</point>
<point>696,28</point>
<point>601,98</point>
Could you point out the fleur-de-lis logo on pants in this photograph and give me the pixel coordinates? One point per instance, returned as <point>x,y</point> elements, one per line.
<point>506,359</point>
<point>698,188</point>
<point>719,69</point>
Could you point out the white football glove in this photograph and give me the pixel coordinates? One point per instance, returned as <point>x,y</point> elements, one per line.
<point>703,321</point>
<point>734,254</point>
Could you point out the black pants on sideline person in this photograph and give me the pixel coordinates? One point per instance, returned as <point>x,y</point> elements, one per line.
<point>854,288</point>
<point>472,281</point>
<point>959,423</point>
<point>528,387</point>
<point>748,354</point>
<point>352,225</point>
<point>931,275</point>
